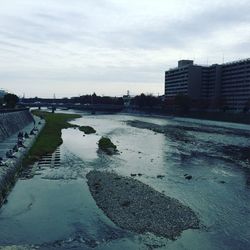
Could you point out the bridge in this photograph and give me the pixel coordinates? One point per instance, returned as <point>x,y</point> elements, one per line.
<point>78,106</point>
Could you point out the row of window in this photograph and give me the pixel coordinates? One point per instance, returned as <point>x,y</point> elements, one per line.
<point>236,80</point>
<point>233,96</point>
<point>235,67</point>
<point>236,75</point>
<point>241,86</point>
<point>178,76</point>
<point>176,82</point>
<point>175,79</point>
<point>235,84</point>
<point>175,73</point>
<point>175,90</point>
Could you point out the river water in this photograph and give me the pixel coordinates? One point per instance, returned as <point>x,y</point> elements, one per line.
<point>51,206</point>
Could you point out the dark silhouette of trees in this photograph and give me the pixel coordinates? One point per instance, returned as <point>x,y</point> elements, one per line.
<point>84,99</point>
<point>183,102</point>
<point>146,101</point>
<point>247,107</point>
<point>1,102</point>
<point>10,100</point>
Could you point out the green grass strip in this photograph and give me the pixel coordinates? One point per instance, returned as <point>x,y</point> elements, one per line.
<point>50,136</point>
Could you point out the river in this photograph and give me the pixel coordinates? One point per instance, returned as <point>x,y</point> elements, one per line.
<point>51,207</point>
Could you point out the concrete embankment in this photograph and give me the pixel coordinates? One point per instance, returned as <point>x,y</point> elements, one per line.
<point>10,167</point>
<point>12,121</point>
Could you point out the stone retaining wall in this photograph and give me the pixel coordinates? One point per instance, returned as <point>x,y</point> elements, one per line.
<point>12,121</point>
<point>9,171</point>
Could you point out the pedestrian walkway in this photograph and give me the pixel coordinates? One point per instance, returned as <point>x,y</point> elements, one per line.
<point>10,142</point>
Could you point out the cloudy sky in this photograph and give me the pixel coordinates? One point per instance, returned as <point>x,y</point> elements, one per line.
<point>74,47</point>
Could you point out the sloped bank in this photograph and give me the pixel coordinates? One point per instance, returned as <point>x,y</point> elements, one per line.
<point>135,206</point>
<point>10,169</point>
<point>12,121</point>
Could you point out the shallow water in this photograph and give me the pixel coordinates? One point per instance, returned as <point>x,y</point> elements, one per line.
<point>54,209</point>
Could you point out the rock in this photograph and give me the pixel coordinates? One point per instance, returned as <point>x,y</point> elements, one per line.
<point>222,182</point>
<point>133,175</point>
<point>188,177</point>
<point>160,176</point>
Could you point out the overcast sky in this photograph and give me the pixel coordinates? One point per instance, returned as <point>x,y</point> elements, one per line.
<point>74,47</point>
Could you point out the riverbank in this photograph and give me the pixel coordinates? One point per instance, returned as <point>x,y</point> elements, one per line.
<point>9,170</point>
<point>50,137</point>
<point>243,118</point>
<point>13,121</point>
<point>137,207</point>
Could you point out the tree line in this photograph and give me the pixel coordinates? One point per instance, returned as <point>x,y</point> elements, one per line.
<point>9,101</point>
<point>179,102</point>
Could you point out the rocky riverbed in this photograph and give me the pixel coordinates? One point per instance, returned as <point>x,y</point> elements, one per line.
<point>235,153</point>
<point>137,207</point>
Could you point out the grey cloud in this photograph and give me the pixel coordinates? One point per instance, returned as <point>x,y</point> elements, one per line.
<point>241,48</point>
<point>37,32</point>
<point>75,25</point>
<point>179,33</point>
<point>12,45</point>
<point>103,74</point>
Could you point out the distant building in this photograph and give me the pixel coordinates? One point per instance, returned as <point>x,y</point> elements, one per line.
<point>126,99</point>
<point>216,85</point>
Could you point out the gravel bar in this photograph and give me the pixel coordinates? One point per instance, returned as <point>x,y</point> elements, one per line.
<point>135,206</point>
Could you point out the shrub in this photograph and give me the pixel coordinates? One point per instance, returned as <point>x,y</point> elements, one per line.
<point>107,145</point>
<point>87,129</point>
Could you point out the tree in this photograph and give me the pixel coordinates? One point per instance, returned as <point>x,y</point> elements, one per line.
<point>247,107</point>
<point>183,102</point>
<point>222,104</point>
<point>1,102</point>
<point>10,100</point>
<point>146,101</point>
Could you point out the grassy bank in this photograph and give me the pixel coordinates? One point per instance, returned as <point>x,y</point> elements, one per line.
<point>50,137</point>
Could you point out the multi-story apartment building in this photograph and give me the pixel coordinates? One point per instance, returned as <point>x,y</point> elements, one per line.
<point>227,84</point>
<point>235,87</point>
<point>185,80</point>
